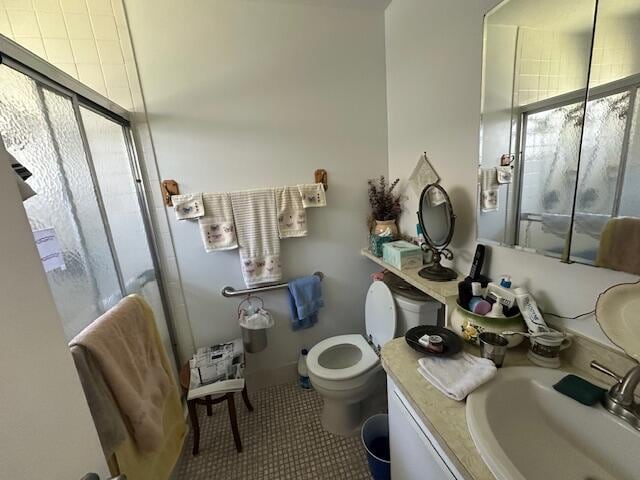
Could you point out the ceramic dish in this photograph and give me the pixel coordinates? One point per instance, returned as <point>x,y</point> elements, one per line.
<point>469,325</point>
<point>452,342</point>
<point>618,314</point>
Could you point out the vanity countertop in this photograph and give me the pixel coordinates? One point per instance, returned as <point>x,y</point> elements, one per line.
<point>444,417</point>
<point>440,291</point>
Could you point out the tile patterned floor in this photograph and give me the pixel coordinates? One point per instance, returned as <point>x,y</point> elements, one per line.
<point>282,439</point>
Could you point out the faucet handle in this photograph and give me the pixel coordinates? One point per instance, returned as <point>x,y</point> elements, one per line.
<point>602,369</point>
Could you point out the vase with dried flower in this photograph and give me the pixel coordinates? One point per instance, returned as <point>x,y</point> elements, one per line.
<point>385,206</point>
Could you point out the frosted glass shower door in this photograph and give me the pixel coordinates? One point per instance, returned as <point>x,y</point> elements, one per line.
<point>116,179</point>
<point>40,129</point>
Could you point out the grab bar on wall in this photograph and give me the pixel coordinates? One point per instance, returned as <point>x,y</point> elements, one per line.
<point>232,292</point>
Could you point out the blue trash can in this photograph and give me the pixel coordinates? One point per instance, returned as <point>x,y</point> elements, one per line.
<point>375,439</point>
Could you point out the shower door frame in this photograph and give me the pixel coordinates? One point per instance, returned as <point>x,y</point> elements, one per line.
<point>48,76</point>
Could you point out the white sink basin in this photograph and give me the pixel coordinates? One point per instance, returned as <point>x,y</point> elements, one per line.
<point>524,429</point>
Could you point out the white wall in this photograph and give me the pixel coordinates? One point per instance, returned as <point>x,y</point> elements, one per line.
<point>243,94</point>
<point>45,424</point>
<point>433,51</point>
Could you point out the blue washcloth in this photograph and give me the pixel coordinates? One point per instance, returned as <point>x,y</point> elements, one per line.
<point>305,299</point>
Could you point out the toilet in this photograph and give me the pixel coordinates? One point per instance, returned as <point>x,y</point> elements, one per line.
<point>346,370</point>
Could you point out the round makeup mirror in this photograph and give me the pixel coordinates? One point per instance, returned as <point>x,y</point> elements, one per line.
<point>437,220</point>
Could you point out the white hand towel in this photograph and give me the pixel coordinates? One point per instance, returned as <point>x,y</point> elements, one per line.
<point>504,174</point>
<point>313,195</point>
<point>217,229</point>
<point>457,376</point>
<point>188,206</point>
<point>256,220</point>
<point>488,190</point>
<point>292,218</point>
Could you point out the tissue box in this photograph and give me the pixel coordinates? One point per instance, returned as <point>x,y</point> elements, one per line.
<point>402,255</point>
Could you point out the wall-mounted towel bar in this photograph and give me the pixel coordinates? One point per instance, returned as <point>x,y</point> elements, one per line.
<point>232,292</point>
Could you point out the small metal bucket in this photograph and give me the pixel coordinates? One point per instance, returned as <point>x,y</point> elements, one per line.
<point>254,340</point>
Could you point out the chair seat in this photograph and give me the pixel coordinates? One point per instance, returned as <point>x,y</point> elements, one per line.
<point>218,388</point>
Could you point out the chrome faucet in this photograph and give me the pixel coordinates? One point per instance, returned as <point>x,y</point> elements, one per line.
<point>620,399</point>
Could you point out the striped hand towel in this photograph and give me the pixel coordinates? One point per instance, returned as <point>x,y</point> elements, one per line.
<point>292,218</point>
<point>313,195</point>
<point>217,229</point>
<point>256,220</point>
<point>188,206</point>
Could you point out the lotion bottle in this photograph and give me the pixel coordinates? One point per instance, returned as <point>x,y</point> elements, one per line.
<point>530,311</point>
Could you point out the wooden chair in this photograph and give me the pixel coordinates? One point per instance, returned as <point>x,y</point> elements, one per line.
<point>209,401</point>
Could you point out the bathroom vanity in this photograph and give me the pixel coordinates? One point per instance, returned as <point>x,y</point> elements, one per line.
<point>428,431</point>
<point>431,435</point>
<point>416,451</point>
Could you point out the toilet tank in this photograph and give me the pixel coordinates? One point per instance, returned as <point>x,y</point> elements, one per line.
<point>411,313</point>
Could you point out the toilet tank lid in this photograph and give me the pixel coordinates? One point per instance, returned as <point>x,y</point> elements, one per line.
<point>380,314</point>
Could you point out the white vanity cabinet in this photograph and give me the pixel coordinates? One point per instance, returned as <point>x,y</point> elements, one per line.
<point>415,452</point>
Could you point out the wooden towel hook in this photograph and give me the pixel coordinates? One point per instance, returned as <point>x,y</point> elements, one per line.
<point>321,177</point>
<point>169,188</point>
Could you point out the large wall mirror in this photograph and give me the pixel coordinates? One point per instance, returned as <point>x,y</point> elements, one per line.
<point>560,141</point>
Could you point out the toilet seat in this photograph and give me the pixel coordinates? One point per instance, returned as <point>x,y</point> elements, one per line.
<point>368,360</point>
<point>380,316</point>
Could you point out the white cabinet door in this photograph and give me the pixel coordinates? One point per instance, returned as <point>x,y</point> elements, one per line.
<point>413,457</point>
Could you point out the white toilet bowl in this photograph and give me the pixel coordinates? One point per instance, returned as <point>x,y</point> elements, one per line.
<point>344,370</point>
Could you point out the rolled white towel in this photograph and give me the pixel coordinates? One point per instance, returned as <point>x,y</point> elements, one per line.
<point>457,376</point>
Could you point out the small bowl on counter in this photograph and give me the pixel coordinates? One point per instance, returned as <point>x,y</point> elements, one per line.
<point>469,326</point>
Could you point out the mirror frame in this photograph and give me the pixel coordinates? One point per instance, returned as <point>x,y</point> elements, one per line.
<point>452,217</point>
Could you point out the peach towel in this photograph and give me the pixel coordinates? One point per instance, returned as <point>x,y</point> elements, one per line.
<point>127,348</point>
<point>619,242</point>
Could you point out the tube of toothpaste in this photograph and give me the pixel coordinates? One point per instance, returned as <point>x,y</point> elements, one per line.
<point>530,312</point>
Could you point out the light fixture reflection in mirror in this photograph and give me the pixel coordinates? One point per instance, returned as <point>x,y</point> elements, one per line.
<point>437,221</point>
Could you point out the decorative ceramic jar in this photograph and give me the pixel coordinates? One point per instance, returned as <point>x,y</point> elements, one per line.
<point>383,225</point>
<point>376,242</point>
<point>470,325</point>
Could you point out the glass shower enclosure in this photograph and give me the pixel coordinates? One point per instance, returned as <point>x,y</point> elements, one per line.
<point>89,191</point>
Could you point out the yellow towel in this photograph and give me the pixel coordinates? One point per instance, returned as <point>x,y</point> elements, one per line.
<point>619,242</point>
<point>129,353</point>
<point>158,465</point>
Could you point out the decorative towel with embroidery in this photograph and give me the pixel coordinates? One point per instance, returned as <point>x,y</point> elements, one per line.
<point>488,190</point>
<point>292,218</point>
<point>256,221</point>
<point>188,206</point>
<point>313,195</point>
<point>217,229</point>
